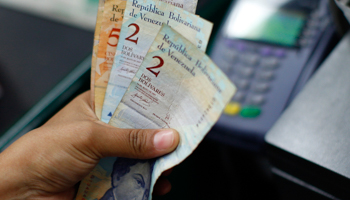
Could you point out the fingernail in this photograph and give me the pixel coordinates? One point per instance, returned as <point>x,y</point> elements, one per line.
<point>164,139</point>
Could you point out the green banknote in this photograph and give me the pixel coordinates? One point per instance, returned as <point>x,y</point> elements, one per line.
<point>177,86</point>
<point>142,21</point>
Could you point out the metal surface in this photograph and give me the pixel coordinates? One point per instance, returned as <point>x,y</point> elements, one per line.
<point>315,128</point>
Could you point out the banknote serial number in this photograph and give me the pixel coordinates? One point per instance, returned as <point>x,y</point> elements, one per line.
<point>87,189</point>
<point>206,112</point>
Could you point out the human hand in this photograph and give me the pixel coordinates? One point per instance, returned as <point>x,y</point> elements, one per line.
<point>48,162</point>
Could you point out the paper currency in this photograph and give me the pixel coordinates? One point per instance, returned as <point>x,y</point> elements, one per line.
<point>95,48</point>
<point>109,36</point>
<point>177,86</point>
<point>95,185</point>
<point>142,21</point>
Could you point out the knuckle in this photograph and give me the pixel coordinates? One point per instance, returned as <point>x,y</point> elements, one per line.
<point>138,141</point>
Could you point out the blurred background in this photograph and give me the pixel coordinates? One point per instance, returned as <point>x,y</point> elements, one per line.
<point>268,48</point>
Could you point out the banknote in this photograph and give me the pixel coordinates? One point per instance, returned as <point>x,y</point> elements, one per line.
<point>95,48</point>
<point>142,21</point>
<point>109,36</point>
<point>95,185</point>
<point>177,86</point>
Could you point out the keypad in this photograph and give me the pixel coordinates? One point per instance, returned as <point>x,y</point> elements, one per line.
<point>269,63</point>
<point>265,75</point>
<point>233,109</point>
<point>252,68</point>
<point>261,87</point>
<point>256,99</point>
<point>250,112</point>
<point>239,96</point>
<point>249,59</point>
<point>245,72</point>
<point>241,84</point>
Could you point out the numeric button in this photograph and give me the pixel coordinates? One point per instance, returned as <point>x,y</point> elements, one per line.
<point>250,59</point>
<point>239,96</point>
<point>269,63</point>
<point>261,87</point>
<point>256,100</point>
<point>242,84</point>
<point>245,72</point>
<point>265,76</point>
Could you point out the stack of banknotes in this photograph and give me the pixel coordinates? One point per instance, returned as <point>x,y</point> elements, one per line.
<point>149,71</point>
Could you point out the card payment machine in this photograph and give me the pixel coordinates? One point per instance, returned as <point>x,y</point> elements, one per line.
<point>269,49</point>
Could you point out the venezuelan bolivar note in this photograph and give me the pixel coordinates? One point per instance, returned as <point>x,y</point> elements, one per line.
<point>177,86</point>
<point>142,21</point>
<point>94,50</point>
<point>109,36</point>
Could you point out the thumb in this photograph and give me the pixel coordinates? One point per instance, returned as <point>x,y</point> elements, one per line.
<point>133,143</point>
